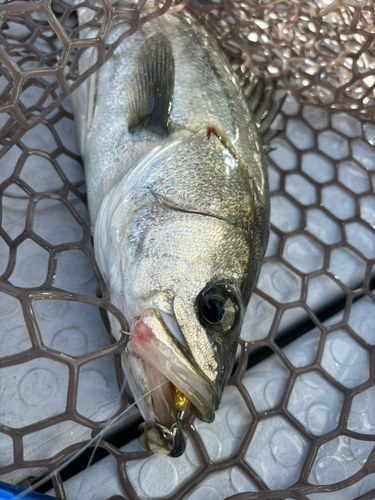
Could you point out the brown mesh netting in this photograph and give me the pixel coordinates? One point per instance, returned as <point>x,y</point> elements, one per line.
<point>323,53</point>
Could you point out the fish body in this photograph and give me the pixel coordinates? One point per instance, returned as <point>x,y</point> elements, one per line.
<point>178,199</point>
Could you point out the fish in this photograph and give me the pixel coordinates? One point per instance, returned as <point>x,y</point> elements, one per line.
<point>179,204</point>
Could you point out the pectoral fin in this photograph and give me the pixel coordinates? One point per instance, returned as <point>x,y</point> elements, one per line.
<point>153,90</point>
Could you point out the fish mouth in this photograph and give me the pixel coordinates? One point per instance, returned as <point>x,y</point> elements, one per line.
<point>176,383</point>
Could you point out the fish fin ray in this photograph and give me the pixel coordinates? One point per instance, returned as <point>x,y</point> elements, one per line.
<point>260,96</point>
<point>266,108</point>
<point>154,83</point>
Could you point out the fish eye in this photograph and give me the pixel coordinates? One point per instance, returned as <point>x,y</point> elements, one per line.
<point>218,308</point>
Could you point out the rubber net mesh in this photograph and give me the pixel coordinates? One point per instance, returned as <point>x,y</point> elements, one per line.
<point>323,54</point>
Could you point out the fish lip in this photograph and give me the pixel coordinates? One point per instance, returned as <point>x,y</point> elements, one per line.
<point>188,378</point>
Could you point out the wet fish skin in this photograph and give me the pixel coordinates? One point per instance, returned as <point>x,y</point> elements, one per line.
<point>176,211</point>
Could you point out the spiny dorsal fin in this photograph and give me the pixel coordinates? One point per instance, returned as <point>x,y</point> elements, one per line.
<point>261,100</point>
<point>154,81</point>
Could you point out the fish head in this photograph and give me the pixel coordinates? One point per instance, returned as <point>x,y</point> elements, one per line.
<point>189,256</point>
<point>193,348</point>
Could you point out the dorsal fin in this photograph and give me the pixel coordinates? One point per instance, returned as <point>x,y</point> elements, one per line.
<point>261,100</point>
<point>154,81</point>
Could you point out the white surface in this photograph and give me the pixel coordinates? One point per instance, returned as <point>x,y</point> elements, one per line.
<point>350,493</point>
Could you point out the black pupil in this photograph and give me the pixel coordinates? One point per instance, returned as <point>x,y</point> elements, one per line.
<point>213,310</point>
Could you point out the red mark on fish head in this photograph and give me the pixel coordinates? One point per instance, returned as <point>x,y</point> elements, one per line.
<point>212,130</point>
<point>142,332</point>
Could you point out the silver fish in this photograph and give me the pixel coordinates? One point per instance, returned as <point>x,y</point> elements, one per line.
<point>178,199</point>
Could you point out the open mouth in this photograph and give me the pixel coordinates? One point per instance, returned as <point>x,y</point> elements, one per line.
<point>172,384</point>
<point>176,383</point>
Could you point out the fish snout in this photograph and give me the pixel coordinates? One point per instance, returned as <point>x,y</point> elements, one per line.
<point>153,341</point>
<point>176,385</point>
